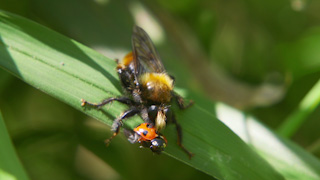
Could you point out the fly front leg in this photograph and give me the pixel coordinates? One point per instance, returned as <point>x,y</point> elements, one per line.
<point>117,123</point>
<point>123,100</point>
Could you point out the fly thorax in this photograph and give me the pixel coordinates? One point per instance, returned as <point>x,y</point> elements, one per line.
<point>156,87</point>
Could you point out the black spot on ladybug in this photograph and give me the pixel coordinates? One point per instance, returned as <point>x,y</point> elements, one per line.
<point>145,133</point>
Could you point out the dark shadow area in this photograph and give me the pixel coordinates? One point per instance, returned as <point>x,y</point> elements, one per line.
<point>105,23</point>
<point>7,62</point>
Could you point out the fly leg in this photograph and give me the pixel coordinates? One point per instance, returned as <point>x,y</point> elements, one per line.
<point>123,100</point>
<point>146,117</point>
<point>117,123</point>
<point>180,101</point>
<point>179,140</point>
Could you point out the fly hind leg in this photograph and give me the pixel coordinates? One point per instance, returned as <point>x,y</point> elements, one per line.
<point>179,140</point>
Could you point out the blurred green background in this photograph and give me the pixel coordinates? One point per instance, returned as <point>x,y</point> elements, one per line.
<point>262,57</point>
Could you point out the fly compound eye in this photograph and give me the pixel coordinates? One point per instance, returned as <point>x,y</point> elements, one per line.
<point>152,112</point>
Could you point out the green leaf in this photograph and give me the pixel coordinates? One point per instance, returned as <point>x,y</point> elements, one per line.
<point>10,165</point>
<point>70,71</point>
<point>289,159</point>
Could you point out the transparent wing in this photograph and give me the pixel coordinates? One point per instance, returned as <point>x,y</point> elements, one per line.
<point>146,57</point>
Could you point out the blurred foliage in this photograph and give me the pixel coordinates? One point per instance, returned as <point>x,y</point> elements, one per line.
<point>253,42</point>
<point>10,166</point>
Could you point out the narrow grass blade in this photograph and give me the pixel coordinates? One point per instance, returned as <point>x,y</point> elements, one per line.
<point>308,104</point>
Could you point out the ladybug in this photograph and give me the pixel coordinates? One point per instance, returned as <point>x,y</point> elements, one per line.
<point>146,131</point>
<point>148,137</point>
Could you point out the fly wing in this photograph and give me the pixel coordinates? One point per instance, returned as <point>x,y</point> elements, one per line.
<point>146,58</point>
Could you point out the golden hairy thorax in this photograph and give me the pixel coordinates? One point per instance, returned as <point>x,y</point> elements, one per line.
<point>156,87</point>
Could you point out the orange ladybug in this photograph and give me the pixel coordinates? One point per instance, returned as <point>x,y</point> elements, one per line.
<point>148,137</point>
<point>146,131</point>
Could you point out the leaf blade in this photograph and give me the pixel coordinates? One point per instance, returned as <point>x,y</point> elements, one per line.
<point>288,158</point>
<point>70,71</point>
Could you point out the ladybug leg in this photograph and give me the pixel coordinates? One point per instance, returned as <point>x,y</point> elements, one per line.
<point>179,141</point>
<point>123,100</point>
<point>180,101</point>
<point>117,123</point>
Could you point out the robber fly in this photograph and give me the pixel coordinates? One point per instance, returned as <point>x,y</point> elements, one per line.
<point>148,88</point>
